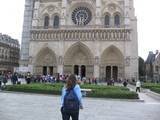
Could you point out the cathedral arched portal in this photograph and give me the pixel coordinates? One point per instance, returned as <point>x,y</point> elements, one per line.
<point>45,62</point>
<point>79,60</point>
<point>112,64</point>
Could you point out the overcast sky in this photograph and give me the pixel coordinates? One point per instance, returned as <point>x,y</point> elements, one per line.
<point>147,12</point>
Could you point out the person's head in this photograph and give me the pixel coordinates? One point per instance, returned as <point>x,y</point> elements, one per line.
<point>71,81</point>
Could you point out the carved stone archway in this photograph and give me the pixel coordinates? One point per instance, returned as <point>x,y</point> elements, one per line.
<point>79,55</point>
<point>45,62</point>
<point>112,64</point>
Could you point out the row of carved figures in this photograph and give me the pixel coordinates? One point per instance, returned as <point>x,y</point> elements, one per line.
<point>119,34</point>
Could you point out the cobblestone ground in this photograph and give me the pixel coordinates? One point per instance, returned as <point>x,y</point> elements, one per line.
<point>18,106</point>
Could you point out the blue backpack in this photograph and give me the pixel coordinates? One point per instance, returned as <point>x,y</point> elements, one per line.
<point>71,102</point>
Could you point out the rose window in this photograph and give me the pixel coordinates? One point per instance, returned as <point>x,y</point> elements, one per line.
<point>81,16</point>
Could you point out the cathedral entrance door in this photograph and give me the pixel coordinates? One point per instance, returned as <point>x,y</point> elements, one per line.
<point>83,71</point>
<point>114,72</point>
<point>51,70</point>
<point>108,73</point>
<point>44,70</point>
<point>76,69</point>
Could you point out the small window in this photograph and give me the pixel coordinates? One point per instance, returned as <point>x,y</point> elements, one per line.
<point>107,21</point>
<point>56,22</point>
<point>117,20</point>
<point>46,21</point>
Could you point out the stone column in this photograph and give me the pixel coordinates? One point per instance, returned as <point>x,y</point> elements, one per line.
<point>111,72</point>
<point>127,69</point>
<point>60,65</point>
<point>96,67</point>
<point>31,67</point>
<point>79,70</point>
<point>127,13</point>
<point>64,12</point>
<point>98,12</point>
<point>60,69</point>
<point>48,70</point>
<point>35,13</point>
<point>96,71</point>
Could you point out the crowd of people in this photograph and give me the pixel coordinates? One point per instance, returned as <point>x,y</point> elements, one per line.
<point>5,77</point>
<point>29,78</point>
<point>15,78</point>
<point>46,78</point>
<point>59,78</point>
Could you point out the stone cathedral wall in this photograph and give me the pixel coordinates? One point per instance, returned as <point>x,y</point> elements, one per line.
<point>92,38</point>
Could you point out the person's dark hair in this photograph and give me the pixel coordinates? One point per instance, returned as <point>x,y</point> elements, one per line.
<point>71,81</point>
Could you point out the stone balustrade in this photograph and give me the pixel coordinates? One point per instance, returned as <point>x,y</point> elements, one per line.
<point>81,34</point>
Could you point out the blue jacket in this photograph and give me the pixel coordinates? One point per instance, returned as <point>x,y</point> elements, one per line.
<point>76,89</point>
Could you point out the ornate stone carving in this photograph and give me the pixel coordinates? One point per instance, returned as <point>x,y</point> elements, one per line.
<point>96,60</point>
<point>50,9</point>
<point>47,59</point>
<point>127,61</point>
<point>82,35</point>
<point>30,59</point>
<point>112,7</point>
<point>60,60</point>
<point>81,16</point>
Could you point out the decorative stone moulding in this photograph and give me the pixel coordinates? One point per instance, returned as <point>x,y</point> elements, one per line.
<point>104,34</point>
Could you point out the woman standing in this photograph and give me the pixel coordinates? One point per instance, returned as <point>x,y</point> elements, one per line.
<point>71,99</point>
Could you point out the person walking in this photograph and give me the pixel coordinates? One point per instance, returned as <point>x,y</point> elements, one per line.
<point>14,78</point>
<point>125,83</point>
<point>5,80</point>
<point>138,85</point>
<point>71,99</point>
<point>1,79</point>
<point>28,78</point>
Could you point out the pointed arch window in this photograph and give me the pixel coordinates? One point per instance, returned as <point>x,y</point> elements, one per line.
<point>107,20</point>
<point>46,21</point>
<point>56,21</point>
<point>117,20</point>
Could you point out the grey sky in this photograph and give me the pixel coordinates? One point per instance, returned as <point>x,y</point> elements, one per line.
<point>147,12</point>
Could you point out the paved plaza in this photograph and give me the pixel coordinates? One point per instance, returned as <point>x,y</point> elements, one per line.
<point>22,106</point>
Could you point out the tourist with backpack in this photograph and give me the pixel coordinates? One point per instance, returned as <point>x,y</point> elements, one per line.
<point>71,99</point>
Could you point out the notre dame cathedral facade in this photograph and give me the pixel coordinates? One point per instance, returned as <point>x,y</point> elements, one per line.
<point>84,37</point>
